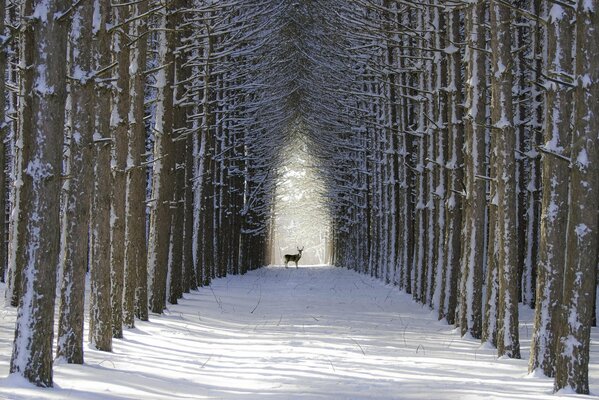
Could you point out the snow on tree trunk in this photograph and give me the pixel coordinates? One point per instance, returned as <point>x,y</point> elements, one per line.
<point>135,300</point>
<point>16,234</point>
<point>44,46</point>
<point>533,188</point>
<point>474,224</point>
<point>74,261</point>
<point>163,165</point>
<point>582,241</point>
<point>505,141</point>
<point>437,157</point>
<point>455,159</point>
<point>555,192</point>
<point>100,320</point>
<point>4,125</point>
<point>119,127</point>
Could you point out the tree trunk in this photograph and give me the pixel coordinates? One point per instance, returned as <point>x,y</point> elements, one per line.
<point>164,160</point>
<point>3,133</point>
<point>503,130</point>
<point>474,221</point>
<point>119,127</point>
<point>455,160</point>
<point>552,253</point>
<point>135,289</point>
<point>582,241</point>
<point>44,83</point>
<point>76,216</point>
<point>100,320</point>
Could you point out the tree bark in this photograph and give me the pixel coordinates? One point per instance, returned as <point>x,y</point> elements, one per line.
<point>119,127</point>
<point>474,220</point>
<point>76,216</point>
<point>554,212</point>
<point>100,320</point>
<point>164,160</point>
<point>135,289</point>
<point>503,129</point>
<point>44,83</point>
<point>582,240</point>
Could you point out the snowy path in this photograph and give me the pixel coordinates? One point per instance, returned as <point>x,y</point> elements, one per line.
<point>312,333</point>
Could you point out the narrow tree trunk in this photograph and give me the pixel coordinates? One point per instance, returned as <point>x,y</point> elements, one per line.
<point>100,320</point>
<point>503,130</point>
<point>135,300</point>
<point>455,160</point>
<point>164,159</point>
<point>473,226</point>
<point>119,127</point>
<point>3,133</point>
<point>78,192</point>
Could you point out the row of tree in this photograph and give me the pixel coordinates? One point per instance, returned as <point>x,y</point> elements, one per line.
<point>455,141</point>
<point>470,178</point>
<point>135,153</point>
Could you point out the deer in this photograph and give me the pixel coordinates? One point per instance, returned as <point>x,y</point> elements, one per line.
<point>293,257</point>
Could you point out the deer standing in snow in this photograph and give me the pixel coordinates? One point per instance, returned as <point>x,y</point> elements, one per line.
<point>293,257</point>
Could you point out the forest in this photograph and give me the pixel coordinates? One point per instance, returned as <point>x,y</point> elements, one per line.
<point>448,148</point>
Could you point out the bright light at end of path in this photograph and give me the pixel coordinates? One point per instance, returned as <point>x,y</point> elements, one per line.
<point>300,215</point>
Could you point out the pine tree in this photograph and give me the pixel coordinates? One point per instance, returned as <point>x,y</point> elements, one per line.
<point>76,218</point>
<point>44,45</point>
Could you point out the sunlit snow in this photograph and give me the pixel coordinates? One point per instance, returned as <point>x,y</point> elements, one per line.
<point>274,333</point>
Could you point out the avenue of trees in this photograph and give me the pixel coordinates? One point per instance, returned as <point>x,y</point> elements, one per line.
<point>456,142</point>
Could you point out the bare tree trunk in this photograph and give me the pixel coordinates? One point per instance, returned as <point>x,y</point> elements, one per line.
<point>455,160</point>
<point>135,290</point>
<point>74,260</point>
<point>533,189</point>
<point>3,133</point>
<point>503,129</point>
<point>100,320</point>
<point>44,83</point>
<point>119,127</point>
<point>181,130</point>
<point>16,234</point>
<point>572,367</point>
<point>164,157</point>
<point>474,224</point>
<point>554,217</point>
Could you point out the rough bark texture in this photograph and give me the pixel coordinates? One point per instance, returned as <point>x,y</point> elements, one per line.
<point>100,320</point>
<point>76,216</point>
<point>572,367</point>
<point>474,222</point>
<point>3,131</point>
<point>554,212</point>
<point>45,47</point>
<point>503,129</point>
<point>455,160</point>
<point>119,128</point>
<point>16,239</point>
<point>163,167</point>
<point>135,300</point>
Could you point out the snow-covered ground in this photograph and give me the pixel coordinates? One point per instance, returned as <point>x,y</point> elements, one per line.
<point>312,333</point>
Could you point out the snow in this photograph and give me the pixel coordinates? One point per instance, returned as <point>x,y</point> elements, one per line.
<point>582,230</point>
<point>583,159</point>
<point>556,13</point>
<point>276,333</point>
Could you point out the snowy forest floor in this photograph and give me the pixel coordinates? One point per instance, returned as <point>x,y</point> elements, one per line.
<point>312,333</point>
